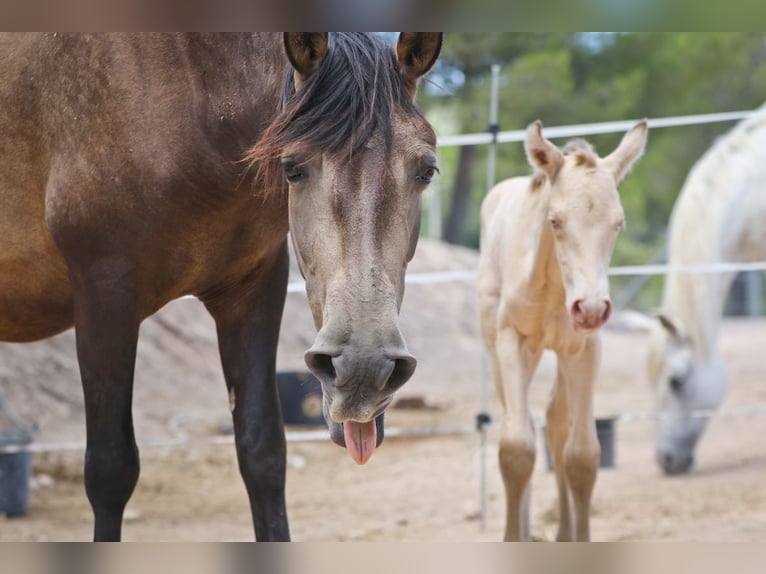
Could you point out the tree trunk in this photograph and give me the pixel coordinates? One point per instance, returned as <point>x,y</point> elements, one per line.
<point>461,195</point>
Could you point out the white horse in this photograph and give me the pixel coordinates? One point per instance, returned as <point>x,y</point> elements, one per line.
<point>718,216</point>
<point>546,242</point>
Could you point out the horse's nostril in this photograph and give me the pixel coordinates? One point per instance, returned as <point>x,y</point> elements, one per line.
<point>404,367</point>
<point>577,310</point>
<point>607,311</point>
<point>321,365</point>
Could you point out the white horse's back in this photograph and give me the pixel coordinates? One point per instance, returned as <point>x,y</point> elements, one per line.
<point>726,188</point>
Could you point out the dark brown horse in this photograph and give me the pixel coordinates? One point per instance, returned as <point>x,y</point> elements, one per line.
<point>135,169</point>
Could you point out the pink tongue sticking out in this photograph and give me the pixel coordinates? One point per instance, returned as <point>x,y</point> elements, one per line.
<point>360,439</point>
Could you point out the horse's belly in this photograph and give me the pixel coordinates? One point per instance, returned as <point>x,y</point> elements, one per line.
<point>35,298</point>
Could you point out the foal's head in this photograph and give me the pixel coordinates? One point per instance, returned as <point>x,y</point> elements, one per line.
<point>584,215</point>
<point>357,156</point>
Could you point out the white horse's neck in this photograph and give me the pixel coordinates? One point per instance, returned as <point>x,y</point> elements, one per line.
<point>716,218</point>
<point>696,299</point>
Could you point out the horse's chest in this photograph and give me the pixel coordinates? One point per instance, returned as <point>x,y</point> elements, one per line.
<point>539,316</point>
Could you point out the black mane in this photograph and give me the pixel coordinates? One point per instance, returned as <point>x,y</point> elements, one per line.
<point>353,94</point>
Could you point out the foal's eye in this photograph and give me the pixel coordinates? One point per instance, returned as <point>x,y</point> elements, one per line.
<point>620,225</point>
<point>427,174</point>
<point>294,171</point>
<point>555,223</point>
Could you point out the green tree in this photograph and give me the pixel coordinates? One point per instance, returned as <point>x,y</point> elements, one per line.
<point>580,78</point>
<point>462,71</point>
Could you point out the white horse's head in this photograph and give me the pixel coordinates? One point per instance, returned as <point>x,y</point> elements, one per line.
<point>585,215</point>
<point>685,385</point>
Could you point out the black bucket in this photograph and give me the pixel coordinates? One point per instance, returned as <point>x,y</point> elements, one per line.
<point>607,437</point>
<point>606,432</point>
<point>300,394</point>
<point>15,472</point>
<point>15,462</point>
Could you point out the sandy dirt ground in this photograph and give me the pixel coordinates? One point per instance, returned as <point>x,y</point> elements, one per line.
<point>413,489</point>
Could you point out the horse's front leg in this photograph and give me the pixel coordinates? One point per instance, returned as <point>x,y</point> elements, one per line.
<point>106,328</point>
<point>557,431</point>
<point>582,450</point>
<point>247,321</point>
<point>517,364</point>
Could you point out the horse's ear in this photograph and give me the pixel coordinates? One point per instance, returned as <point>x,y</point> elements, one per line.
<point>674,329</point>
<point>630,149</point>
<point>632,321</point>
<point>305,50</point>
<point>541,153</point>
<point>416,53</point>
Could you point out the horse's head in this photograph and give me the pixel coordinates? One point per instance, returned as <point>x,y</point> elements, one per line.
<point>357,156</point>
<point>584,215</point>
<point>684,385</point>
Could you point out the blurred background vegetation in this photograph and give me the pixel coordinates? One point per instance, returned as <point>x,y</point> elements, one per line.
<point>572,78</point>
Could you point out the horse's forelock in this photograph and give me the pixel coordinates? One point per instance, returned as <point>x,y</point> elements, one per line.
<point>352,95</point>
<point>583,151</point>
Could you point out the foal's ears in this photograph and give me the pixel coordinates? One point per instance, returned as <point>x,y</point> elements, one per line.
<point>416,53</point>
<point>541,153</point>
<point>630,149</point>
<point>305,50</point>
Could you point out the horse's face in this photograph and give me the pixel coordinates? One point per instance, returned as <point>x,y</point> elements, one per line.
<point>585,216</point>
<point>684,385</point>
<point>354,221</point>
<point>355,227</point>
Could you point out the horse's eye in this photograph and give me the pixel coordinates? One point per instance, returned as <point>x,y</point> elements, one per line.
<point>294,172</point>
<point>427,174</point>
<point>555,223</point>
<point>676,382</point>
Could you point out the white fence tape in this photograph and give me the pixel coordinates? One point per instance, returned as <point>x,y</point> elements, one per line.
<point>451,276</point>
<point>591,129</point>
<point>323,435</point>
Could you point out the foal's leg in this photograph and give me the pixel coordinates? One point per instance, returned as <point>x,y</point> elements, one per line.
<point>106,327</point>
<point>247,321</point>
<point>488,307</point>
<point>557,431</point>
<point>582,450</point>
<point>517,364</point>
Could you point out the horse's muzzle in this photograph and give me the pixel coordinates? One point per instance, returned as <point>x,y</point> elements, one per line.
<point>357,388</point>
<point>673,463</point>
<point>384,371</point>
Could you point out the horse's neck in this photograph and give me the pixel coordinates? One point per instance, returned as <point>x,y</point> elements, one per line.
<point>524,239</point>
<point>718,217</point>
<point>545,270</point>
<point>696,238</point>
